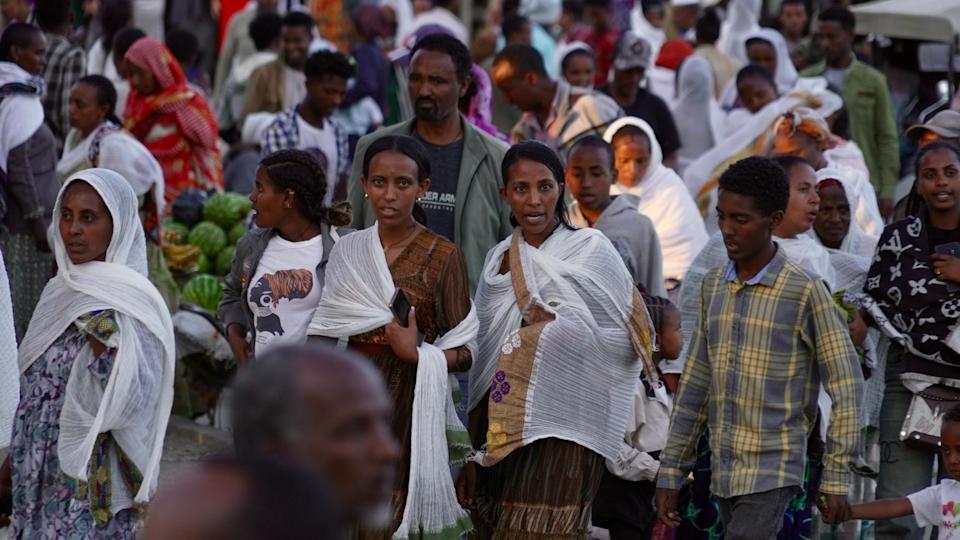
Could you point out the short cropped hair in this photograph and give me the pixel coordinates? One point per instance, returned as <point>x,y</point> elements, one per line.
<point>762,179</point>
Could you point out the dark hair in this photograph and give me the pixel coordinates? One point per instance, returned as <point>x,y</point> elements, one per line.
<point>52,14</point>
<point>656,307</point>
<point>603,4</point>
<point>115,15</point>
<point>409,147</point>
<point>17,34</point>
<point>184,46</point>
<point>301,19</point>
<point>449,45</point>
<point>523,58</point>
<point>540,153</point>
<point>762,179</point>
<point>300,172</point>
<point>575,53</point>
<point>631,131</point>
<point>793,3</point>
<point>952,414</point>
<point>754,71</point>
<point>125,39</point>
<point>281,499</point>
<point>574,7</point>
<point>265,29</point>
<point>841,125</point>
<point>840,15</point>
<point>513,24</point>
<point>328,63</point>
<point>593,141</point>
<point>106,95</point>
<point>915,206</point>
<point>708,27</point>
<point>789,162</point>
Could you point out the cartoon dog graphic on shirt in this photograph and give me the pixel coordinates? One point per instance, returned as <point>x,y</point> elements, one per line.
<point>271,288</point>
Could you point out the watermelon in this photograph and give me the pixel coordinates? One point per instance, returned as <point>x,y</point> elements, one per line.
<point>241,204</point>
<point>236,233</point>
<point>225,260</point>
<point>225,209</point>
<point>203,264</point>
<point>175,233</point>
<point>208,237</point>
<point>203,290</point>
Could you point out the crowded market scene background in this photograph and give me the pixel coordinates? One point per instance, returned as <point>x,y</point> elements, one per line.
<point>505,269</point>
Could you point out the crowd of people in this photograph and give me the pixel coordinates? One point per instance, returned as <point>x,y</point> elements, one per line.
<point>578,269</point>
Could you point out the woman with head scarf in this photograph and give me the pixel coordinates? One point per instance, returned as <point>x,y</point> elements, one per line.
<point>695,103</point>
<point>835,227</point>
<point>96,369</point>
<point>576,64</point>
<point>173,121</point>
<point>477,103</point>
<point>765,47</point>
<point>661,195</point>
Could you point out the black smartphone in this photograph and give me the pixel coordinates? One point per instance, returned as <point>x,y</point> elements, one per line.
<point>951,249</point>
<point>400,307</point>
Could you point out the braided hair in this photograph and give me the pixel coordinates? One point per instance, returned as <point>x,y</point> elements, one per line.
<point>106,95</point>
<point>656,306</point>
<point>302,174</point>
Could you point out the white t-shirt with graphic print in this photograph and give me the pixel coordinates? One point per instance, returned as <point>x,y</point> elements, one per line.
<point>939,506</point>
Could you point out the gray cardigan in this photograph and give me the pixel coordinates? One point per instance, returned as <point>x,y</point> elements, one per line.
<point>234,307</point>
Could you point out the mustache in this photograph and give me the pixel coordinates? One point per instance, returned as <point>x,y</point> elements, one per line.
<point>424,100</point>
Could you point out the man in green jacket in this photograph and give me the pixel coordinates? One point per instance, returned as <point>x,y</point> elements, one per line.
<point>463,203</point>
<point>865,93</point>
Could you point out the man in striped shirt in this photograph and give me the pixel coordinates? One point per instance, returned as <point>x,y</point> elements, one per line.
<point>768,336</point>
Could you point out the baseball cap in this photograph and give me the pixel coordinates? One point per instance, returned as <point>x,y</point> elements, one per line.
<point>945,124</point>
<point>632,52</point>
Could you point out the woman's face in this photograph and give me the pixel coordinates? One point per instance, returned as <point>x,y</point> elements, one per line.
<point>142,80</point>
<point>85,113</point>
<point>763,54</point>
<point>579,70</point>
<point>833,218</point>
<point>938,181</point>
<point>756,93</point>
<point>86,225</point>
<point>393,188</point>
<point>532,193</point>
<point>804,202</point>
<point>632,157</point>
<point>273,206</point>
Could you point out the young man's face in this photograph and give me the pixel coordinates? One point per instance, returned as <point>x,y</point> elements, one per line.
<point>326,94</point>
<point>746,230</point>
<point>589,176</point>
<point>835,42</point>
<point>514,88</point>
<point>793,17</point>
<point>598,17</point>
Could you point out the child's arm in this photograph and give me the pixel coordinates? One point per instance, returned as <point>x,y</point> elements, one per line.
<point>882,509</point>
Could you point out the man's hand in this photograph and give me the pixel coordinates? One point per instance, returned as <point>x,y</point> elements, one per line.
<point>886,205</point>
<point>667,507</point>
<point>466,486</point>
<point>835,508</point>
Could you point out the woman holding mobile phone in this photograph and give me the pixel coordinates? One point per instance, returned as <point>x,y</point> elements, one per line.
<point>913,298</point>
<point>376,272</point>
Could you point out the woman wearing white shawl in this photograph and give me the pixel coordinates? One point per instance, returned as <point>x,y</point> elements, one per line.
<point>662,197</point>
<point>742,18</point>
<point>695,102</point>
<point>365,270</point>
<point>656,37</point>
<point>783,71</point>
<point>96,139</point>
<point>561,330</point>
<point>835,228</point>
<point>96,371</point>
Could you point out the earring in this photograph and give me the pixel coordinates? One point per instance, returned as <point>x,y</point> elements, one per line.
<point>365,196</point>
<point>289,205</point>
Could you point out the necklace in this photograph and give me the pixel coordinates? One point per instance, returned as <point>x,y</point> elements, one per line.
<point>403,241</point>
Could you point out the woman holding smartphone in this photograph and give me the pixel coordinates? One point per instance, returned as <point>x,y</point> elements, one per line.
<point>914,298</point>
<point>371,277</point>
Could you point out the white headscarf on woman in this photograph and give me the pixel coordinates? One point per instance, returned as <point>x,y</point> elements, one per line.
<point>134,405</point>
<point>695,103</point>
<point>664,199</point>
<point>742,18</point>
<point>786,75</point>
<point>21,112</point>
<point>857,241</point>
<point>565,49</point>
<point>642,27</point>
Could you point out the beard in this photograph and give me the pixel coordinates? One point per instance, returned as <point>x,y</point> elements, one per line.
<point>428,110</point>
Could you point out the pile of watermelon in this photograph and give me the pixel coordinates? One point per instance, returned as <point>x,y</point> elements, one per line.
<point>202,240</point>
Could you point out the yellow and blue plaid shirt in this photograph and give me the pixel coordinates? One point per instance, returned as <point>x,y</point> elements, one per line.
<point>757,359</point>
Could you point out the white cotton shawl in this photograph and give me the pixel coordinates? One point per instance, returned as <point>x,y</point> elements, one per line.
<point>120,152</point>
<point>356,299</point>
<point>742,19</point>
<point>585,369</point>
<point>695,102</point>
<point>863,199</point>
<point>786,76</point>
<point>134,406</point>
<point>704,168</point>
<point>9,373</point>
<point>857,241</point>
<point>21,115</point>
<point>656,37</point>
<point>664,199</point>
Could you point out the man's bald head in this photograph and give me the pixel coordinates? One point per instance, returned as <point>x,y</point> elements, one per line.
<point>327,409</point>
<point>242,499</point>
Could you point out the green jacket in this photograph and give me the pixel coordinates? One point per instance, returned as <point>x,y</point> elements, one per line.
<point>872,122</point>
<point>481,218</point>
